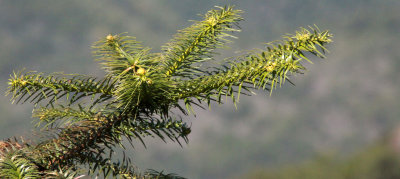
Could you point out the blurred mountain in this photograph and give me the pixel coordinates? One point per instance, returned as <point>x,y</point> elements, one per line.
<point>340,105</point>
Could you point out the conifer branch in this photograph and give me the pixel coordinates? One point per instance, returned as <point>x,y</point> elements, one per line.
<point>265,69</point>
<point>14,161</point>
<point>135,98</point>
<point>197,42</point>
<point>67,114</point>
<point>37,87</point>
<point>14,165</point>
<point>92,138</point>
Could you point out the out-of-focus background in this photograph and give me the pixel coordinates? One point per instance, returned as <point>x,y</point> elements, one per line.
<point>339,120</point>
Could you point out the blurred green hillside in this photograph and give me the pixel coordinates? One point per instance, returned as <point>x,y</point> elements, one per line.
<point>377,161</point>
<point>341,105</point>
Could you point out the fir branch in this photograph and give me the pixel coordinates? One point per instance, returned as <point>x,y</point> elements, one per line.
<point>106,167</point>
<point>16,166</point>
<point>68,114</point>
<point>36,87</point>
<point>126,170</point>
<point>92,138</point>
<point>141,88</point>
<point>135,73</point>
<point>64,173</point>
<point>14,163</point>
<point>197,42</point>
<point>263,69</point>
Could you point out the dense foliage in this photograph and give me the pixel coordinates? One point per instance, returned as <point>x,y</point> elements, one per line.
<point>85,119</point>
